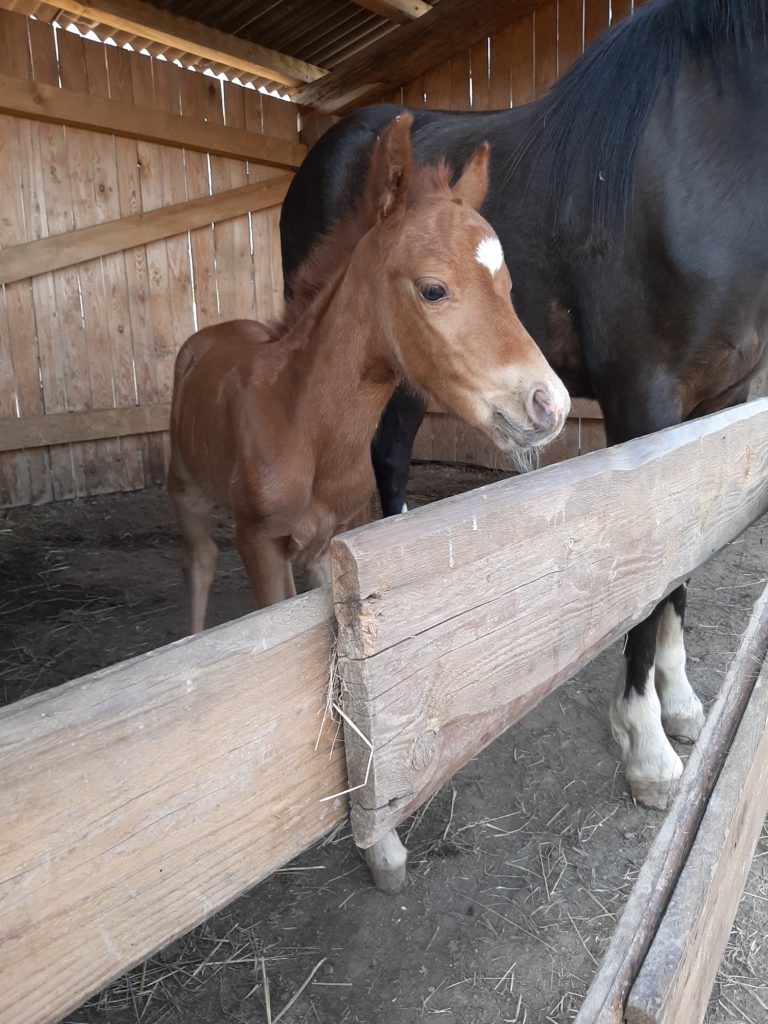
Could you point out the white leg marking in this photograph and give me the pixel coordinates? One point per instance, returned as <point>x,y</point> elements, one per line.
<point>651,766</point>
<point>404,508</point>
<point>386,862</point>
<point>681,712</point>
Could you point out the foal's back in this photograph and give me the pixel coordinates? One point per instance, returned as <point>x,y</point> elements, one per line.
<point>213,370</point>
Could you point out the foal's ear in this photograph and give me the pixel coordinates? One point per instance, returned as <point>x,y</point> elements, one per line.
<point>390,173</point>
<point>472,186</point>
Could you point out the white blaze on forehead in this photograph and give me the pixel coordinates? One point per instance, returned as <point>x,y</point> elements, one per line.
<point>490,253</point>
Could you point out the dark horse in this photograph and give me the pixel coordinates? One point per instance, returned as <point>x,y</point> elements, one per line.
<point>632,205</point>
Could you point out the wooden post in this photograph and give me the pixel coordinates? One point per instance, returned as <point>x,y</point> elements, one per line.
<point>606,998</point>
<point>456,619</point>
<point>140,799</point>
<point>679,971</point>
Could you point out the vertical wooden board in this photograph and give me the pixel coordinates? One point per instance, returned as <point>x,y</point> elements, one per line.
<point>265,279</point>
<point>231,238</point>
<point>444,438</point>
<point>279,120</point>
<point>24,476</point>
<point>128,450</point>
<point>422,446</point>
<point>522,60</point>
<point>139,320</point>
<point>414,93</point>
<point>60,342</point>
<point>459,81</point>
<point>676,979</point>
<point>545,43</point>
<point>161,354</point>
<point>167,79</point>
<point>437,85</point>
<point>570,42</point>
<point>83,69</point>
<point>620,9</point>
<point>198,93</point>
<point>480,72</point>
<point>596,19</point>
<point>499,87</point>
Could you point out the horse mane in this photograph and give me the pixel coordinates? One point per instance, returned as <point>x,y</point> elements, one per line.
<point>595,115</point>
<point>331,254</point>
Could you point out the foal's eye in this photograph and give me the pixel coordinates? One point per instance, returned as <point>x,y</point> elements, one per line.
<point>432,291</point>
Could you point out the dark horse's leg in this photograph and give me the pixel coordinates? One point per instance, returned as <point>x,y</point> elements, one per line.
<point>653,698</point>
<point>392,445</point>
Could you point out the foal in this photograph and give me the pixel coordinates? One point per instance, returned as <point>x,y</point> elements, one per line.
<point>276,422</point>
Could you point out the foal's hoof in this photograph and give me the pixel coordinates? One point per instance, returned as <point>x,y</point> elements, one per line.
<point>386,861</point>
<point>685,725</point>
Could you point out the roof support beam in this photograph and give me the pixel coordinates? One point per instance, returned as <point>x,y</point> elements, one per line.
<point>401,11</point>
<point>147,22</point>
<point>449,27</point>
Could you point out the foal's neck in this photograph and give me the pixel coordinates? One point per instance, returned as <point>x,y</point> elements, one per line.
<point>344,363</point>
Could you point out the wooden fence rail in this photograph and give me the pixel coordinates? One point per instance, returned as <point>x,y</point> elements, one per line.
<point>140,799</point>
<point>455,620</point>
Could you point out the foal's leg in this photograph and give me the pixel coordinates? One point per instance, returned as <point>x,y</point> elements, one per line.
<point>391,448</point>
<point>681,712</point>
<point>268,568</point>
<point>199,550</point>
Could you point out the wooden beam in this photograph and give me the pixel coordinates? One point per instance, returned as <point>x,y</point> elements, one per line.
<point>22,98</point>
<point>87,425</point>
<point>449,27</point>
<point>677,976</point>
<point>142,798</point>
<point>453,623</point>
<point>607,995</point>
<point>401,11</point>
<point>58,251</point>
<point>177,33</point>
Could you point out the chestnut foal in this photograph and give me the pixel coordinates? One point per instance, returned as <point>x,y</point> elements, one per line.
<point>277,422</point>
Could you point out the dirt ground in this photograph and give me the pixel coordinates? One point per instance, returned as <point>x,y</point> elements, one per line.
<point>519,866</point>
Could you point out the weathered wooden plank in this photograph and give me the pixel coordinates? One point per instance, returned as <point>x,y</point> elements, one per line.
<point>545,45</point>
<point>89,425</point>
<point>450,27</point>
<point>191,37</point>
<point>168,785</point>
<point>676,979</point>
<point>453,623</point>
<point>522,62</point>
<point>607,995</point>
<point>570,43</point>
<point>61,106</point>
<point>400,11</point>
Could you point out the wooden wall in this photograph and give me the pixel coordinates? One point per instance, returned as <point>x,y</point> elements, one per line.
<point>97,339</point>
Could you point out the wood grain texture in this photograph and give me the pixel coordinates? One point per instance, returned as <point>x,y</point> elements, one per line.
<point>144,20</point>
<point>89,425</point>
<point>451,27</point>
<point>456,619</point>
<point>676,979</point>
<point>140,799</point>
<point>606,998</point>
<point>61,106</point>
<point>400,11</point>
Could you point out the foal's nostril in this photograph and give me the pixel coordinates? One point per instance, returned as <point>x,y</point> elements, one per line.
<point>542,408</point>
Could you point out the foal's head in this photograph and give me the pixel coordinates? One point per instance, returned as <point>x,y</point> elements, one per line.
<point>446,305</point>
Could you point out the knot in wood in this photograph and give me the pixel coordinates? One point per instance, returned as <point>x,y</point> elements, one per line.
<point>424,750</point>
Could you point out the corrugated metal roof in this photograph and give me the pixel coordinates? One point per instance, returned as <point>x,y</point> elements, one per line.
<point>321,32</point>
